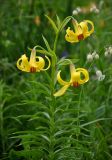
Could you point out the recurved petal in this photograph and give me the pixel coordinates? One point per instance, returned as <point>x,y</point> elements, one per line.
<point>23,63</point>
<point>71,36</point>
<point>92,26</point>
<point>77,27</point>
<point>62,82</point>
<point>84,27</point>
<point>85,75</point>
<point>49,63</point>
<point>40,63</point>
<point>61,91</point>
<point>75,76</point>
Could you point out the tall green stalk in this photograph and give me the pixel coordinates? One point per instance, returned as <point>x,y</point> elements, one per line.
<point>53,104</point>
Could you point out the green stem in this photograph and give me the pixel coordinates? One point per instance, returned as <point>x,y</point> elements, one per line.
<point>53,104</point>
<point>53,66</point>
<point>55,42</point>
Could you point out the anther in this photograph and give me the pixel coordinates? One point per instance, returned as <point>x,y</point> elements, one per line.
<point>80,37</point>
<point>32,69</point>
<point>75,84</point>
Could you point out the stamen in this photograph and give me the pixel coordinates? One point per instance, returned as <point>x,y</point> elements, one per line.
<point>80,37</point>
<point>75,84</point>
<point>32,69</point>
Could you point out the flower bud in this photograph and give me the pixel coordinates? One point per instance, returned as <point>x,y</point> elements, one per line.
<point>94,53</point>
<point>78,9</point>
<point>106,53</point>
<point>75,12</point>
<point>96,56</point>
<point>89,58</point>
<point>100,76</point>
<point>98,73</point>
<point>110,50</point>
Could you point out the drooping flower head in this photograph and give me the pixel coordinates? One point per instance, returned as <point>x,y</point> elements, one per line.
<point>99,75</point>
<point>35,64</point>
<point>82,31</point>
<point>78,76</point>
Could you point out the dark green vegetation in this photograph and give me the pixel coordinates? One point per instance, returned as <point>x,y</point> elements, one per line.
<point>79,125</point>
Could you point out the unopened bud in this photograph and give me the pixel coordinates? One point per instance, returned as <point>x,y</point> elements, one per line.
<point>110,50</point>
<point>98,73</point>
<point>75,12</point>
<point>89,58</point>
<point>78,9</point>
<point>106,53</point>
<point>101,78</point>
<point>96,56</point>
<point>94,53</point>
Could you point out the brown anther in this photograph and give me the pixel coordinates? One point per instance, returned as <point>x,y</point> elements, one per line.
<point>75,84</point>
<point>32,69</point>
<point>80,37</point>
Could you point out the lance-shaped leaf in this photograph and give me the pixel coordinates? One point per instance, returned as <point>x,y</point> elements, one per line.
<point>49,48</point>
<point>52,23</point>
<point>64,23</point>
<point>47,44</point>
<point>58,21</point>
<point>41,50</point>
<point>63,61</point>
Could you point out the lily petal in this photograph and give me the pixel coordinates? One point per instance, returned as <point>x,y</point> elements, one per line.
<point>61,91</point>
<point>85,73</point>
<point>62,82</point>
<point>39,64</point>
<point>49,63</point>
<point>23,63</point>
<point>71,36</point>
<point>92,26</point>
<point>77,27</point>
<point>84,29</point>
<point>75,76</point>
<point>84,26</point>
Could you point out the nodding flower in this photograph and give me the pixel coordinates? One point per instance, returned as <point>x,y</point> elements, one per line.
<point>82,31</point>
<point>35,64</point>
<point>78,76</point>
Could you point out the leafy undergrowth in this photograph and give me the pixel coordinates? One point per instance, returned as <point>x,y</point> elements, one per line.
<point>33,124</point>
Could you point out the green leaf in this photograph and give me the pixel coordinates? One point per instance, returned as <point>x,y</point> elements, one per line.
<point>58,21</point>
<point>52,23</point>
<point>64,61</point>
<point>95,121</point>
<point>41,50</point>
<point>64,23</point>
<point>46,138</point>
<point>40,85</point>
<point>47,44</point>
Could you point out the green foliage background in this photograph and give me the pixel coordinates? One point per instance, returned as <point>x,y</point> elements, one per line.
<point>80,125</point>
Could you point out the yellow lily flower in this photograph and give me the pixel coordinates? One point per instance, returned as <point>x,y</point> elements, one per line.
<point>33,65</point>
<point>81,31</point>
<point>78,76</point>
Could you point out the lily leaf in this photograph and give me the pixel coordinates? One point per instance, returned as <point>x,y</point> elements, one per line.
<point>67,61</point>
<point>58,21</point>
<point>47,44</point>
<point>64,23</point>
<point>52,23</point>
<point>41,50</point>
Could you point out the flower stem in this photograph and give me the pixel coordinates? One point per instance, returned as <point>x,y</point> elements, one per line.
<point>53,104</point>
<point>53,65</point>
